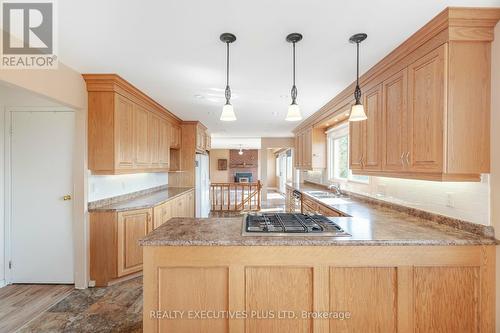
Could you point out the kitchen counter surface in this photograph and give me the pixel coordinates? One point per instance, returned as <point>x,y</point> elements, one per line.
<point>368,224</point>
<point>144,201</point>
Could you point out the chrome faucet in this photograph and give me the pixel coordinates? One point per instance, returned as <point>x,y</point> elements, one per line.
<point>336,188</point>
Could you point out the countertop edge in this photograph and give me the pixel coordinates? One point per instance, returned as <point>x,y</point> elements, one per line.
<point>151,205</point>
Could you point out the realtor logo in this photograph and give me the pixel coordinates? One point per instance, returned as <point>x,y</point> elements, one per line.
<point>28,39</point>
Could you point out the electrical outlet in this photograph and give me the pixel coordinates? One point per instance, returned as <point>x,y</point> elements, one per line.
<point>450,200</point>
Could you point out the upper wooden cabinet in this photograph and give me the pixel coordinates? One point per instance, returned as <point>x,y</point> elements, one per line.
<point>202,138</point>
<point>310,149</point>
<point>427,103</point>
<point>127,131</point>
<point>365,147</point>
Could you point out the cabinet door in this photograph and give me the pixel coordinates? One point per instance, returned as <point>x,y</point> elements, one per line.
<point>154,140</point>
<point>308,148</point>
<point>141,120</point>
<point>372,137</point>
<point>164,145</point>
<point>132,226</point>
<point>394,122</point>
<point>426,111</point>
<point>356,139</point>
<point>124,144</point>
<point>190,205</point>
<point>175,136</point>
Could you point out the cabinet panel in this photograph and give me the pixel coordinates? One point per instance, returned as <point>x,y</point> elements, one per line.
<point>175,136</point>
<point>356,139</point>
<point>275,289</point>
<point>426,111</point>
<point>457,289</point>
<point>193,289</point>
<point>164,145</point>
<point>154,140</point>
<point>369,293</point>
<point>372,145</point>
<point>141,119</point>
<point>394,122</point>
<point>124,145</point>
<point>132,226</point>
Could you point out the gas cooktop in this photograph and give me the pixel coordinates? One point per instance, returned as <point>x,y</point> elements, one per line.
<point>287,224</point>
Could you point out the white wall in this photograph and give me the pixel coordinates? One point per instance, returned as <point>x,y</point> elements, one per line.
<point>10,96</point>
<point>470,200</point>
<point>101,187</point>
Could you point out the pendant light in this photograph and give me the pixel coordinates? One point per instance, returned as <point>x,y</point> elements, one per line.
<point>294,109</point>
<point>241,151</point>
<point>227,111</point>
<point>357,110</point>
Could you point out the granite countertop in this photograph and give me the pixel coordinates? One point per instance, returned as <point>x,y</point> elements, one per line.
<point>368,224</point>
<point>144,201</point>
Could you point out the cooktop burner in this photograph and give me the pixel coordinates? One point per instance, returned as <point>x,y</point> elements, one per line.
<point>285,224</point>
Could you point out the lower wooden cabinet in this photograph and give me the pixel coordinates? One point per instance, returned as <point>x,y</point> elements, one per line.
<point>385,289</point>
<point>114,236</point>
<point>310,206</point>
<point>132,226</point>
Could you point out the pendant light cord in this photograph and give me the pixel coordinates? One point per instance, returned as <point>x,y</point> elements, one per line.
<point>228,90</point>
<point>294,88</point>
<point>357,64</point>
<point>227,65</point>
<point>357,91</point>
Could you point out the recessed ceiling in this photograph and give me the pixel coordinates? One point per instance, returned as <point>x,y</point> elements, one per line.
<point>171,51</point>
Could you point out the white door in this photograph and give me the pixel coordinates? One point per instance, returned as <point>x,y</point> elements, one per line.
<point>41,165</point>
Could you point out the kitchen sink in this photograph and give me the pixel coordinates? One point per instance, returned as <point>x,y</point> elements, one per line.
<point>322,194</point>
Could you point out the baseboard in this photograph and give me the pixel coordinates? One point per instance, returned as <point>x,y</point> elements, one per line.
<point>2,283</point>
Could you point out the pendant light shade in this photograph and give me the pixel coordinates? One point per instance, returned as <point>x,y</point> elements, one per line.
<point>241,151</point>
<point>227,113</point>
<point>227,110</point>
<point>357,113</point>
<point>294,109</point>
<point>293,113</point>
<point>357,110</point>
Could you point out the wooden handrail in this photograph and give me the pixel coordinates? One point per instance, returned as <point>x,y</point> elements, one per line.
<point>234,197</point>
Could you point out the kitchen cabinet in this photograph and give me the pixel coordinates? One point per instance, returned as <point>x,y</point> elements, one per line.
<point>114,236</point>
<point>395,122</point>
<point>127,131</point>
<point>202,138</point>
<point>114,248</point>
<point>310,206</point>
<point>427,103</point>
<point>365,136</point>
<point>140,139</point>
<point>175,136</point>
<point>310,149</point>
<point>132,226</point>
<point>124,135</point>
<point>426,112</point>
<point>162,213</point>
<point>413,288</point>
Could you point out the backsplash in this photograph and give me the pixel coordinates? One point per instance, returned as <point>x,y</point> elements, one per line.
<point>102,187</point>
<point>469,201</point>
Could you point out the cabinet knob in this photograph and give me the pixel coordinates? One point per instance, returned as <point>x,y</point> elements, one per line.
<point>67,197</point>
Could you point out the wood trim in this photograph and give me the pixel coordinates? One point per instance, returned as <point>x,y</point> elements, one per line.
<point>453,23</point>
<point>115,83</point>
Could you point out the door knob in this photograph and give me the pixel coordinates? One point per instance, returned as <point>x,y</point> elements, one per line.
<point>67,197</point>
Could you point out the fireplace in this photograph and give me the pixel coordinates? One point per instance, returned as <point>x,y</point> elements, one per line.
<point>243,177</point>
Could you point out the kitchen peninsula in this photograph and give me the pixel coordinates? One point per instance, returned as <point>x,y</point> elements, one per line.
<point>407,268</point>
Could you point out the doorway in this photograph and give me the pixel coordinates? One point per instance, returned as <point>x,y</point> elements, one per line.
<point>39,189</point>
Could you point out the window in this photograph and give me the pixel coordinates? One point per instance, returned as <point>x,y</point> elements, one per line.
<point>338,156</point>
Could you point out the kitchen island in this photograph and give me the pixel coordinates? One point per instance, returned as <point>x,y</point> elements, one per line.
<point>396,273</point>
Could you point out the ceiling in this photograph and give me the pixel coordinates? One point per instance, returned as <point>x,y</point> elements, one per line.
<point>171,51</point>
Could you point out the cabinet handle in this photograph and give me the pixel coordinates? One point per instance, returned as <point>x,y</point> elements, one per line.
<point>402,158</point>
<point>408,158</point>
